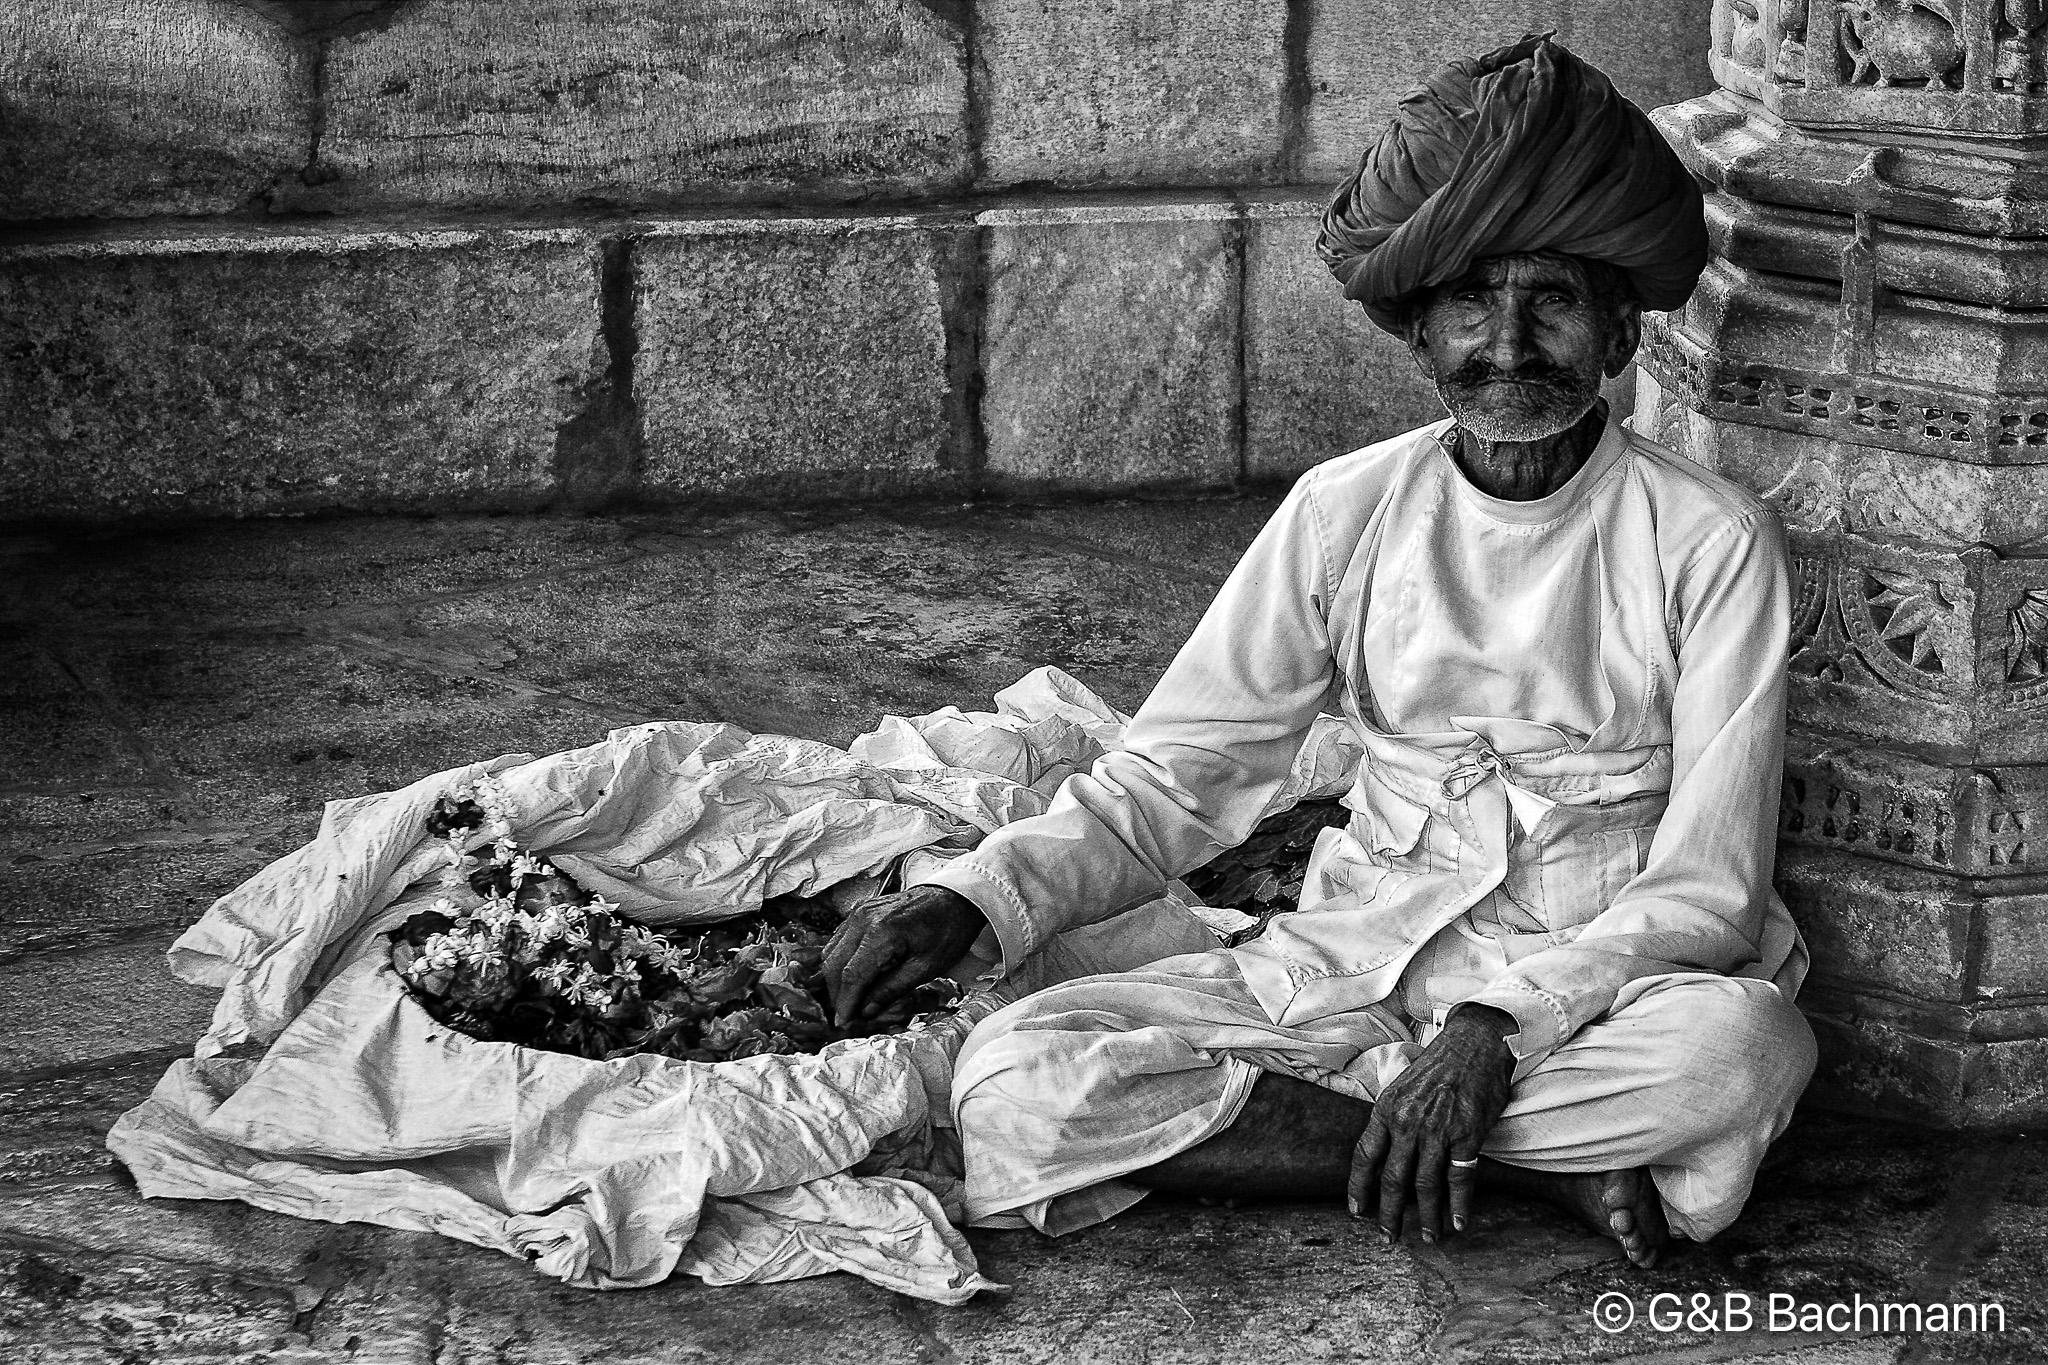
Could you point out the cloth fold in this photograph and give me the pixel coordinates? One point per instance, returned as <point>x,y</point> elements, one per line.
<point>616,1174</point>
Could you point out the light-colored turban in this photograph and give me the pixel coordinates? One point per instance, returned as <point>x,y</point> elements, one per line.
<point>1524,149</point>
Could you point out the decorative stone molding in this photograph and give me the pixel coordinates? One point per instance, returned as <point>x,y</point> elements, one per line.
<point>1868,351</point>
<point>1961,66</point>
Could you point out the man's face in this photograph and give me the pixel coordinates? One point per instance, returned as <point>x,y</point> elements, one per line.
<point>1517,348</point>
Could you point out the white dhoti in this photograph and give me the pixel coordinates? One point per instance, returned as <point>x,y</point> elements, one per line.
<point>1691,1075</point>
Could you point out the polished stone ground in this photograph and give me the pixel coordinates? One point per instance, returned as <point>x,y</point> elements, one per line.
<point>175,707</point>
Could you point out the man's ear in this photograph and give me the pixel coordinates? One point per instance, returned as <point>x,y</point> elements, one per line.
<point>1628,335</point>
<point>1418,344</point>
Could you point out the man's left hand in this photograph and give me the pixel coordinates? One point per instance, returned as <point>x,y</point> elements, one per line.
<point>1426,1129</point>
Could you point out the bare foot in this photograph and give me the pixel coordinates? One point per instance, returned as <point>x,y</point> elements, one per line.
<point>1618,1204</point>
<point>1622,1205</point>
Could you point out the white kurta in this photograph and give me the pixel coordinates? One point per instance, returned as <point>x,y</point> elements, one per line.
<point>1573,711</point>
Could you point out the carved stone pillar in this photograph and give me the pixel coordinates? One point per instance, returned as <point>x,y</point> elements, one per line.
<point>1869,351</point>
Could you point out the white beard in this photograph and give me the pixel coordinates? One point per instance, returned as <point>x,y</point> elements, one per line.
<point>1496,425</point>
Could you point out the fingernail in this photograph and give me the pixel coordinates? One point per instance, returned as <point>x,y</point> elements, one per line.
<point>1390,1235</point>
<point>1352,1204</point>
<point>1428,1236</point>
<point>1457,1223</point>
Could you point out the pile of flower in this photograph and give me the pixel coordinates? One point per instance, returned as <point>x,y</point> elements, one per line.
<point>543,963</point>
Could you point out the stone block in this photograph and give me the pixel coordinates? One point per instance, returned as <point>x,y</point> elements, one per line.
<point>1873,1067</point>
<point>511,102</point>
<point>1940,381</point>
<point>1824,484</point>
<point>1320,380</point>
<point>1942,651</point>
<point>2014,953</point>
<point>125,108</point>
<point>2008,1086</point>
<point>1865,800</point>
<point>1364,55</point>
<point>1941,181</point>
<point>1899,806</point>
<point>1999,272</point>
<point>268,374</point>
<point>1110,347</point>
<point>798,358</point>
<point>1878,925</point>
<point>1653,51</point>
<point>1132,92</point>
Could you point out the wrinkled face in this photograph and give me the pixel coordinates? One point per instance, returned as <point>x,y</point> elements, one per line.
<point>1518,347</point>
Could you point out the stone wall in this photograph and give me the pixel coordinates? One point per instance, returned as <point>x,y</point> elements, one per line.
<point>273,256</point>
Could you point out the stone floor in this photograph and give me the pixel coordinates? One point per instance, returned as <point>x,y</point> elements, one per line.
<point>175,707</point>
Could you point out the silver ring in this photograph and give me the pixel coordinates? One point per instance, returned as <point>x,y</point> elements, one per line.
<point>1465,1165</point>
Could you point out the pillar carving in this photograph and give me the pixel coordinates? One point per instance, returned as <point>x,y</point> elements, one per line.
<point>1868,350</point>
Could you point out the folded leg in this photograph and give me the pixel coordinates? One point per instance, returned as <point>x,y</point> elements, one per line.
<point>1065,1091</point>
<point>1691,1076</point>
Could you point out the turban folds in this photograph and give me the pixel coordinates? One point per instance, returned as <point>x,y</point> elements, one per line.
<point>1524,149</point>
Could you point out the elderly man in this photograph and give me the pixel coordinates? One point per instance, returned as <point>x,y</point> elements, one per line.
<point>1545,954</point>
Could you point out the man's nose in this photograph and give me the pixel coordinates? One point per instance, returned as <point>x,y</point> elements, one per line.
<point>1509,344</point>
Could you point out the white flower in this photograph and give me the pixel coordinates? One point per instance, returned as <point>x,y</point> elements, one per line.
<point>526,865</point>
<point>504,851</point>
<point>495,913</point>
<point>664,954</point>
<point>556,973</point>
<point>635,940</point>
<point>441,952</point>
<point>588,988</point>
<point>498,808</point>
<point>624,970</point>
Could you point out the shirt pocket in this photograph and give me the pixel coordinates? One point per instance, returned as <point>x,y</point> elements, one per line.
<point>1582,873</point>
<point>1341,875</point>
<point>1391,825</point>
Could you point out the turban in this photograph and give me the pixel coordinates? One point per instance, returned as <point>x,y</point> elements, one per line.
<point>1524,149</point>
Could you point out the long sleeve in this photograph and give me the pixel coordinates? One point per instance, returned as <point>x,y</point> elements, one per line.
<point>1701,901</point>
<point>1202,757</point>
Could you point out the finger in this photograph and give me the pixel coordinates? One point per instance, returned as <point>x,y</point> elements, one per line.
<point>877,955</point>
<point>1462,1180</point>
<point>833,968</point>
<point>906,976</point>
<point>845,939</point>
<point>1365,1163</point>
<point>1394,1178</point>
<point>901,1012</point>
<point>1430,1160</point>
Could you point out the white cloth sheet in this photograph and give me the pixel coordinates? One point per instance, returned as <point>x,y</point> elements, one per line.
<point>612,1174</point>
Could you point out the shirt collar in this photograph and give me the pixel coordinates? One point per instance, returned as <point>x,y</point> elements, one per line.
<point>1534,512</point>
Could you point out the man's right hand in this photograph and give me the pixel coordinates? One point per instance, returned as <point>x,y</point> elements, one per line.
<point>892,945</point>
